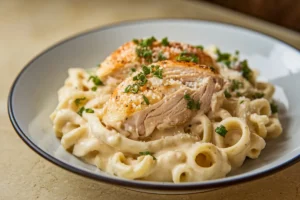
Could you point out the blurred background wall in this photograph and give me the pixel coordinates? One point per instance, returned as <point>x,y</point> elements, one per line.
<point>282,12</point>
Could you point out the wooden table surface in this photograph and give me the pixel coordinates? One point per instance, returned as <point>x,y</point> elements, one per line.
<point>28,27</point>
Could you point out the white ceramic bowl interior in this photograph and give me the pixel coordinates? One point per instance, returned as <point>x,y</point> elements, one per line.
<point>34,94</point>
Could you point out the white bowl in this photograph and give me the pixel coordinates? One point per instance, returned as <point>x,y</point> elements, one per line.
<point>33,95</point>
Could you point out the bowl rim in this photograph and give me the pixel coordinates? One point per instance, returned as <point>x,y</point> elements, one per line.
<point>132,183</point>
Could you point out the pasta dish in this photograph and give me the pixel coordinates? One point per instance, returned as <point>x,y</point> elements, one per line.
<point>166,111</point>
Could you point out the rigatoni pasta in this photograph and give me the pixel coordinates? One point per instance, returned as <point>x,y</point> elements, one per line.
<point>166,111</point>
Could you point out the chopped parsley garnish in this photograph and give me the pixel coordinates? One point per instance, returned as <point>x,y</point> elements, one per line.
<point>94,88</point>
<point>141,78</point>
<point>158,73</point>
<point>165,41</point>
<point>133,69</point>
<point>143,50</point>
<point>144,53</point>
<point>227,63</point>
<point>227,94</point>
<point>187,57</point>
<point>274,108</point>
<point>154,67</point>
<point>221,130</point>
<point>82,109</point>
<point>234,59</point>
<point>144,153</point>
<point>242,102</point>
<point>135,41</point>
<point>161,56</point>
<point>223,57</point>
<point>146,100</point>
<point>191,103</point>
<point>200,47</point>
<point>89,110</point>
<point>238,94</point>
<point>78,100</point>
<point>147,42</point>
<point>187,97</point>
<point>127,89</point>
<point>132,88</point>
<point>236,85</point>
<point>246,71</point>
<point>258,95</point>
<point>146,70</point>
<point>96,80</point>
<point>135,88</point>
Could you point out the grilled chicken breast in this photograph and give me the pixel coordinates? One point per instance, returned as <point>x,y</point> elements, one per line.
<point>162,95</point>
<point>129,57</point>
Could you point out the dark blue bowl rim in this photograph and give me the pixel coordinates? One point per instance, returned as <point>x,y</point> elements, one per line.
<point>138,184</point>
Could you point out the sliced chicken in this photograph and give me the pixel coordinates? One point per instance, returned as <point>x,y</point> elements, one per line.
<point>130,56</point>
<point>163,95</point>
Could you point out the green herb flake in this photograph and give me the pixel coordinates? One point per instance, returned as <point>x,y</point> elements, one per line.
<point>142,82</point>
<point>127,89</point>
<point>227,63</point>
<point>133,69</point>
<point>242,102</point>
<point>135,41</point>
<point>135,88</point>
<point>147,42</point>
<point>187,97</point>
<point>78,101</point>
<point>158,73</point>
<point>80,111</point>
<point>221,130</point>
<point>96,80</point>
<point>89,110</point>
<point>191,103</point>
<point>154,68</point>
<point>274,108</point>
<point>246,71</point>
<point>238,94</point>
<point>141,78</point>
<point>187,57</point>
<point>224,58</point>
<point>146,70</point>
<point>161,56</point>
<point>132,88</point>
<point>94,88</point>
<point>165,41</point>
<point>144,153</point>
<point>200,47</point>
<point>227,94</point>
<point>144,53</point>
<point>258,95</point>
<point>235,85</point>
<point>143,50</point>
<point>146,100</point>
